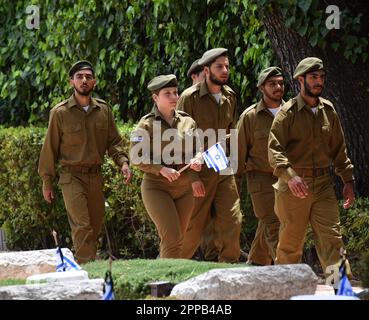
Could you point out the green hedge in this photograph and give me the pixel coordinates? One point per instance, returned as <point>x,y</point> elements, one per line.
<point>28,219</point>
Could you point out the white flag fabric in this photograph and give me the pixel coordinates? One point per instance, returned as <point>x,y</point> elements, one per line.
<point>64,263</point>
<point>215,158</point>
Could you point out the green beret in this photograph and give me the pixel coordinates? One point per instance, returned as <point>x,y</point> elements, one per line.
<point>306,65</point>
<point>80,65</point>
<point>195,68</point>
<point>211,55</point>
<point>162,81</point>
<point>268,73</point>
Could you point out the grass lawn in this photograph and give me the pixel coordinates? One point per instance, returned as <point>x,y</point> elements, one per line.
<point>12,282</point>
<point>131,277</point>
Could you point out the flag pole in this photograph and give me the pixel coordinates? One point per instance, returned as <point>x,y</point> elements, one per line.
<point>108,287</point>
<point>189,164</point>
<point>58,249</point>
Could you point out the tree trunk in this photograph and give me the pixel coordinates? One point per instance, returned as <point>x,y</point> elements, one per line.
<point>345,87</point>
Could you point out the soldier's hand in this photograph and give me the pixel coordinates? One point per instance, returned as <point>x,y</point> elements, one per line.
<point>195,164</point>
<point>298,187</point>
<point>126,173</point>
<point>48,195</point>
<point>348,195</point>
<point>198,189</point>
<point>170,174</point>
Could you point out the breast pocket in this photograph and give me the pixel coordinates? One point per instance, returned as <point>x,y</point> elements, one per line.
<point>74,134</point>
<point>101,125</point>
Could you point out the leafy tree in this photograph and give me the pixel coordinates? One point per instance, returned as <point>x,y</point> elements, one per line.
<point>129,42</point>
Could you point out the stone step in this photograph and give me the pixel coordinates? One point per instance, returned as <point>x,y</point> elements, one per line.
<point>58,276</point>
<point>65,290</point>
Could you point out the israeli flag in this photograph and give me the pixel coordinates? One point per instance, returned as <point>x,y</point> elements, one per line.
<point>345,288</point>
<point>108,292</point>
<point>64,263</point>
<point>215,158</point>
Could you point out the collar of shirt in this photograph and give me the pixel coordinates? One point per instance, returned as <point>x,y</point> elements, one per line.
<point>159,116</point>
<point>261,106</point>
<point>73,103</point>
<point>301,103</point>
<point>204,90</point>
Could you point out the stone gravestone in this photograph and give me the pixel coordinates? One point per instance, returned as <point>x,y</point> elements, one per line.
<point>21,264</point>
<point>276,282</point>
<point>64,290</point>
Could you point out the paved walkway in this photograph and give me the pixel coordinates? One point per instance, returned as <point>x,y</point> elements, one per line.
<point>323,289</point>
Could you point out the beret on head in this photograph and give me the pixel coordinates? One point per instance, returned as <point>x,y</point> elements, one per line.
<point>268,73</point>
<point>162,81</point>
<point>306,65</point>
<point>80,65</point>
<point>195,68</point>
<point>211,55</point>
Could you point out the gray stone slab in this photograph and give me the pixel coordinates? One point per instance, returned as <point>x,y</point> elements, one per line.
<point>66,290</point>
<point>249,283</point>
<point>21,264</point>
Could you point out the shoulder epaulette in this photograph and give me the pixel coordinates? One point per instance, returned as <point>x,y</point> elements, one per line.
<point>247,110</point>
<point>60,104</point>
<point>182,113</point>
<point>229,89</point>
<point>327,102</point>
<point>149,115</point>
<point>101,100</point>
<point>189,91</point>
<point>289,104</point>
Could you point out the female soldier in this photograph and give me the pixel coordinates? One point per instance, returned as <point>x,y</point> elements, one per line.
<point>158,148</point>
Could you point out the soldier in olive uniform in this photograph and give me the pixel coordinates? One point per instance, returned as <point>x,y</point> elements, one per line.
<point>81,130</point>
<point>305,139</point>
<point>208,250</point>
<point>253,132</point>
<point>168,195</point>
<point>212,104</point>
<point>196,72</point>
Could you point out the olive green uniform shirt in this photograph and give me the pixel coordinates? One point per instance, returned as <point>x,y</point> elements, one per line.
<point>76,137</point>
<point>301,139</point>
<point>186,129</point>
<point>201,105</point>
<point>253,131</point>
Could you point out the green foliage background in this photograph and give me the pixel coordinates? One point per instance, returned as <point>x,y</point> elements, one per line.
<point>132,41</point>
<point>129,42</point>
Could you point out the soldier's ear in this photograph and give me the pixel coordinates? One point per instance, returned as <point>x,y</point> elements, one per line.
<point>301,80</point>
